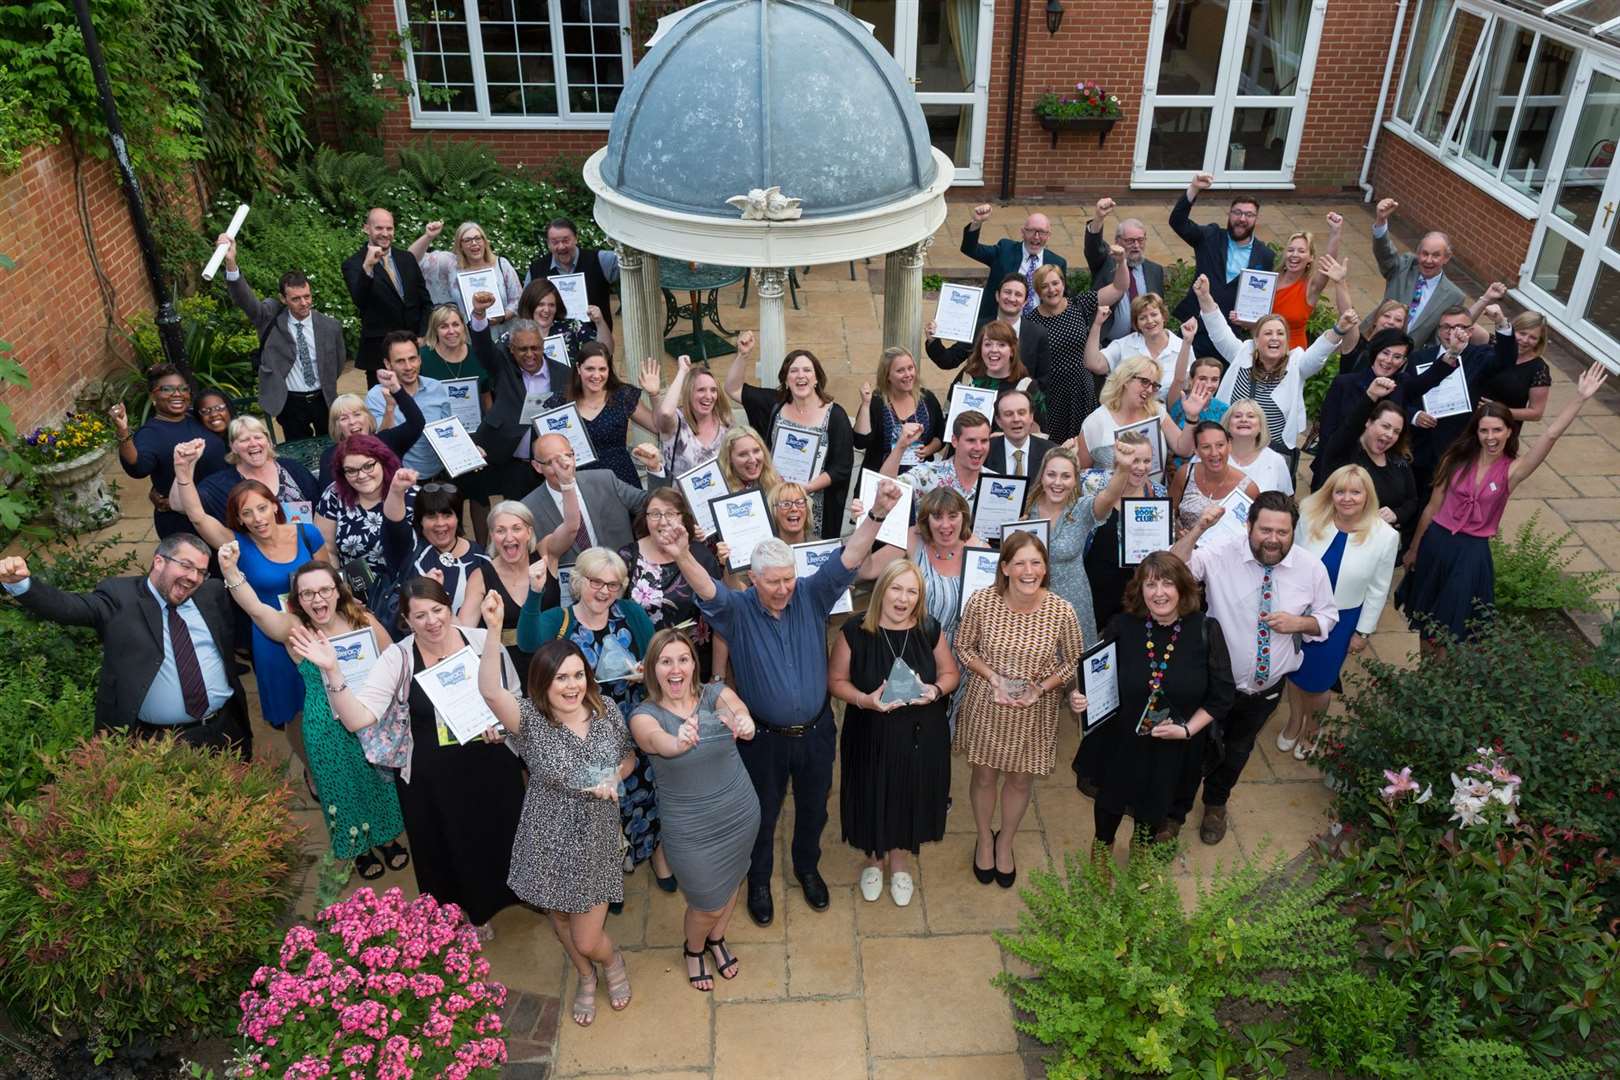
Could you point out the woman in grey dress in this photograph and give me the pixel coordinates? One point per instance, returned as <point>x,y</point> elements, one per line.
<point>710,811</point>
<point>1071,523</point>
<point>566,856</point>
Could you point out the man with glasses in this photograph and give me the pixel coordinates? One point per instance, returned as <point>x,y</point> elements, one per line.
<point>523,378</point>
<point>1220,254</point>
<point>168,639</point>
<point>1417,279</point>
<point>1146,275</point>
<point>149,451</point>
<point>1431,366</point>
<point>403,359</point>
<point>574,511</point>
<point>563,255</point>
<point>1021,257</point>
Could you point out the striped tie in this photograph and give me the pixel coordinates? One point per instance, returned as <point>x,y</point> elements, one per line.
<point>192,687</point>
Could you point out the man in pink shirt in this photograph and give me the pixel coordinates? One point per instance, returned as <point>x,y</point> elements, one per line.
<point>1269,597</point>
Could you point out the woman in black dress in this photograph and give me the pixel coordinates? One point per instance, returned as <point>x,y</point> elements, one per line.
<point>1071,392</point>
<point>1525,386</point>
<point>896,756</point>
<point>1133,458</point>
<point>1373,435</point>
<point>1175,679</point>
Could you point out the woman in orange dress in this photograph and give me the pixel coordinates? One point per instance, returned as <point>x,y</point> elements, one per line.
<point>1302,278</point>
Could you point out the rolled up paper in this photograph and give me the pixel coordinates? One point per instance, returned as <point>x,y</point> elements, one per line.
<point>219,251</point>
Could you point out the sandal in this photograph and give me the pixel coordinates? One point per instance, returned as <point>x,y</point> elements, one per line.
<point>585,1000</point>
<point>618,985</point>
<point>724,961</point>
<point>395,855</point>
<point>368,866</point>
<point>703,975</point>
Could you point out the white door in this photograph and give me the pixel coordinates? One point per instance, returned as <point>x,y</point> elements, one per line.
<point>1225,91</point>
<point>1573,269</point>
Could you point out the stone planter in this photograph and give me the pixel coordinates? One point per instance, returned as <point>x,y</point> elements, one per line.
<point>76,492</point>
<point>1102,125</point>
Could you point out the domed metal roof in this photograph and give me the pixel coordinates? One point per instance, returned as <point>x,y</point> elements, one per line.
<point>737,95</point>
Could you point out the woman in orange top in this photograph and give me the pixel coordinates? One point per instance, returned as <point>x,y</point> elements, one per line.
<point>1302,278</point>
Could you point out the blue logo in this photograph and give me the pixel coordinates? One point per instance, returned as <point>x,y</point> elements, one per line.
<point>1099,664</point>
<point>702,482</point>
<point>347,653</point>
<point>820,558</point>
<point>1002,491</point>
<point>959,299</point>
<point>446,431</point>
<point>452,678</point>
<point>739,510</point>
<point>458,391</point>
<point>1256,282</point>
<point>1147,514</point>
<point>987,564</point>
<point>797,442</point>
<point>557,423</point>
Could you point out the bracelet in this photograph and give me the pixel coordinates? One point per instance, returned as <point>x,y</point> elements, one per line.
<point>1185,730</point>
<point>338,689</point>
<point>126,438</point>
<point>182,483</point>
<point>237,584</point>
<point>879,520</point>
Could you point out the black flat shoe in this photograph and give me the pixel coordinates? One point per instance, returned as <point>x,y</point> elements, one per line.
<point>815,890</point>
<point>616,907</point>
<point>1006,880</point>
<point>395,855</point>
<point>668,884</point>
<point>760,907</point>
<point>983,876</point>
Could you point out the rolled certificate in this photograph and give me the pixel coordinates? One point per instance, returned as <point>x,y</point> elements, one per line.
<point>219,252</point>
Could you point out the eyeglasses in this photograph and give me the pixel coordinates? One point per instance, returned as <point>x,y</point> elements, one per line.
<point>325,592</point>
<point>1246,215</point>
<point>185,564</point>
<point>1037,232</point>
<point>598,585</point>
<point>663,515</point>
<point>172,391</point>
<point>214,410</point>
<point>791,504</point>
<point>1145,381</point>
<point>352,471</point>
<point>448,489</point>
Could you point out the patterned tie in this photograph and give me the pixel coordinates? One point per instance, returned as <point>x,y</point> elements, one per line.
<point>393,274</point>
<point>306,358</point>
<point>1262,656</point>
<point>582,535</point>
<point>1030,299</point>
<point>1018,463</point>
<point>1417,300</point>
<point>192,687</point>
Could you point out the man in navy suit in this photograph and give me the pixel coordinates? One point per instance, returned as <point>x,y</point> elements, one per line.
<point>1010,257</point>
<point>389,293</point>
<point>1220,254</point>
<point>1146,276</point>
<point>1429,367</point>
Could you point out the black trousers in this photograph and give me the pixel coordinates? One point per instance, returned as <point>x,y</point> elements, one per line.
<point>773,760</point>
<point>1239,728</point>
<point>225,730</point>
<point>303,416</point>
<point>369,359</point>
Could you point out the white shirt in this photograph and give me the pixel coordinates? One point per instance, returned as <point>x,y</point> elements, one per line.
<point>1269,471</point>
<point>296,383</point>
<point>584,512</point>
<point>1232,578</point>
<point>1119,350</point>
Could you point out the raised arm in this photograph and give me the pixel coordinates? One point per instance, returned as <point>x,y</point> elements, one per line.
<point>501,701</point>
<point>653,739</point>
<point>557,542</point>
<point>740,364</point>
<point>1215,324</point>
<point>1107,500</point>
<point>859,544</point>
<point>1096,248</point>
<point>1319,278</point>
<point>1178,381</point>
<point>1096,360</point>
<point>677,545</point>
<point>1326,344</point>
<point>1389,260</point>
<point>1493,293</point>
<point>430,232</point>
<point>1183,548</point>
<point>183,497</point>
<point>666,418</point>
<point>1120,286</point>
<point>971,245</point>
<point>863,417</point>
<point>604,332</point>
<point>275,624</point>
<point>1336,271</point>
<point>1181,216</point>
<point>909,434</point>
<point>1590,383</point>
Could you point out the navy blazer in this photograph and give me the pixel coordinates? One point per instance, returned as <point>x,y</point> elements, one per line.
<point>1481,364</point>
<point>1005,257</point>
<point>381,307</point>
<point>1209,258</point>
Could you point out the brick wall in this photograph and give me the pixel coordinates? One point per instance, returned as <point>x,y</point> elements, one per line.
<point>51,308</point>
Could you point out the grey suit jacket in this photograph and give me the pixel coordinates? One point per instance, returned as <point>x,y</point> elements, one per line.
<point>610,502</point>
<point>1100,261</point>
<point>1400,272</point>
<point>279,353</point>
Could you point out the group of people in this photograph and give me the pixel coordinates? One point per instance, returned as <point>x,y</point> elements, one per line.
<point>649,701</point>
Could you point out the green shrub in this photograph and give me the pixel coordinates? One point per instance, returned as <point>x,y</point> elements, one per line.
<point>37,725</point>
<point>221,349</point>
<point>1532,572</point>
<point>140,890</point>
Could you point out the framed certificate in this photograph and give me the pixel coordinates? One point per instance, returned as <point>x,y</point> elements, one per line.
<point>796,452</point>
<point>464,403</point>
<point>978,572</point>
<point>1144,527</point>
<point>809,557</point>
<point>965,398</point>
<point>1150,428</point>
<point>564,420</point>
<point>896,524</point>
<point>1450,398</point>
<point>1039,526</point>
<point>356,653</point>
<point>743,520</point>
<point>957,316</point>
<point>571,287</point>
<point>699,485</point>
<point>298,511</point>
<point>452,686</point>
<point>997,501</point>
<point>1098,677</point>
<point>1255,290</point>
<point>556,348</point>
<point>1235,522</point>
<point>454,446</point>
<point>486,279</point>
<point>565,582</point>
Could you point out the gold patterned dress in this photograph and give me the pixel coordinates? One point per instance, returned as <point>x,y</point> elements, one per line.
<point>1032,645</point>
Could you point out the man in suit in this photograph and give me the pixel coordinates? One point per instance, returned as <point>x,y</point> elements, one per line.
<point>168,643</point>
<point>563,255</point>
<point>1010,257</point>
<point>301,350</point>
<point>1220,254</point>
<point>522,377</point>
<point>1034,346</point>
<point>1146,276</point>
<point>1017,450</point>
<point>1429,367</point>
<point>388,291</point>
<point>1417,280</point>
<point>607,505</point>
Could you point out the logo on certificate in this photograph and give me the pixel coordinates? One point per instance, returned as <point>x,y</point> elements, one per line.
<point>452,678</point>
<point>346,653</point>
<point>702,483</point>
<point>447,431</point>
<point>462,392</point>
<point>820,558</point>
<point>557,423</point>
<point>1257,282</point>
<point>739,510</point>
<point>1146,514</point>
<point>797,442</point>
<point>1002,491</point>
<point>1099,664</point>
<point>958,299</point>
<point>987,564</point>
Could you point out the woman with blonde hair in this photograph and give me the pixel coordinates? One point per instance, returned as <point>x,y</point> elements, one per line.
<point>252,456</point>
<point>745,461</point>
<point>897,401</point>
<point>1245,424</point>
<point>789,505</point>
<point>1524,387</point>
<point>348,416</point>
<point>694,415</point>
<point>1130,396</point>
<point>1339,523</point>
<point>896,752</point>
<point>1303,276</point>
<point>470,249</point>
<point>515,569</point>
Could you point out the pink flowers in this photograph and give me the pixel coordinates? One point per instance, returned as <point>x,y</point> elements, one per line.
<point>1401,783</point>
<point>379,987</point>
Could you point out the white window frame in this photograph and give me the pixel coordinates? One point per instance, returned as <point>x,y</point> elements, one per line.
<point>481,118</point>
<point>907,18</point>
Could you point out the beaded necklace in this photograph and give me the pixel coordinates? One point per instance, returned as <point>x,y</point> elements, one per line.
<point>1157,664</point>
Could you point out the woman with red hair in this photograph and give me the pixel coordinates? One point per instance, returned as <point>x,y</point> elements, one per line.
<point>349,512</point>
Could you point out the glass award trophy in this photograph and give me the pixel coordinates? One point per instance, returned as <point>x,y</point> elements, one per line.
<point>902,686</point>
<point>715,723</point>
<point>614,662</point>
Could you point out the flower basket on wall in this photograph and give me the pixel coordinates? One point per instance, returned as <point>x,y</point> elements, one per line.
<point>1088,107</point>
<point>1102,125</point>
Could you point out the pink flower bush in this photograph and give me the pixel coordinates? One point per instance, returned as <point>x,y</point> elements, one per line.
<point>379,987</point>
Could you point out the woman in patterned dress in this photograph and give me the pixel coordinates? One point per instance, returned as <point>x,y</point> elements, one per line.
<point>543,304</point>
<point>565,857</point>
<point>606,407</point>
<point>1019,643</point>
<point>1071,392</point>
<point>349,512</point>
<point>656,582</point>
<point>897,402</point>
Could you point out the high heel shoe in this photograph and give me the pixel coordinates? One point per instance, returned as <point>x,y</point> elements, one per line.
<point>1006,878</point>
<point>984,876</point>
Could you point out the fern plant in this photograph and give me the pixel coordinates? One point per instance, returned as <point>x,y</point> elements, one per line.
<point>1532,572</point>
<point>432,167</point>
<point>344,184</point>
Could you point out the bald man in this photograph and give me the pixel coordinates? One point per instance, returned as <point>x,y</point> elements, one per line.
<point>388,291</point>
<point>1021,257</point>
<point>1417,279</point>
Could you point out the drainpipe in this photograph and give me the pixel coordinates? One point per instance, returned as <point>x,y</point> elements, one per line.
<point>1383,99</point>
<point>1014,48</point>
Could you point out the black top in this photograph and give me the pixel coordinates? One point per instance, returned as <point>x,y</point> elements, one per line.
<point>762,407</point>
<point>1512,387</point>
<point>880,440</point>
<point>1393,481</point>
<point>1481,363</point>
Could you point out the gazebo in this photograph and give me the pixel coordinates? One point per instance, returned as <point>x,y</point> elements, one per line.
<point>768,134</point>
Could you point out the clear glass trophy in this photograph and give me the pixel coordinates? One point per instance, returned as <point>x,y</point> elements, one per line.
<point>614,662</point>
<point>903,685</point>
<point>1014,688</point>
<point>715,723</point>
<point>589,777</point>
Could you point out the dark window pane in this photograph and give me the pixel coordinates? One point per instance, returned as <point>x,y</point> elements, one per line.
<point>425,36</point>
<point>532,11</point>
<point>607,40</point>
<point>458,69</point>
<point>610,71</point>
<point>577,40</point>
<point>453,38</point>
<point>580,72</point>
<point>582,99</point>
<point>541,100</point>
<point>505,100</point>
<point>494,10</point>
<point>465,99</point>
<point>500,68</point>
<point>539,71</point>
<point>499,38</point>
<point>534,40</point>
<point>1257,139</point>
<point>1556,265</point>
<point>1190,56</point>
<point>608,99</point>
<point>1178,138</point>
<point>1603,310</point>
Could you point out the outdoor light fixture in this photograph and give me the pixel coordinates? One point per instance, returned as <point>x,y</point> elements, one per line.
<point>1054,16</point>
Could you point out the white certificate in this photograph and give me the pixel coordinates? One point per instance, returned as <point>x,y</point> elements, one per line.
<point>957,317</point>
<point>897,522</point>
<point>998,500</point>
<point>1150,428</point>
<point>356,652</point>
<point>743,520</point>
<point>965,398</point>
<point>571,287</point>
<point>565,580</point>
<point>564,420</point>
<point>1144,527</point>
<point>1255,288</point>
<point>810,557</point>
<point>556,348</point>
<point>486,280</point>
<point>1235,522</point>
<point>1450,398</point>
<point>452,686</point>
<point>298,511</point>
<point>796,452</point>
<point>699,485</point>
<point>454,446</point>
<point>978,572</point>
<point>1039,526</point>
<point>464,403</point>
<point>1099,682</point>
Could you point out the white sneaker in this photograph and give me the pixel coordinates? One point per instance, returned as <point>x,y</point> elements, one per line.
<point>1284,743</point>
<point>901,888</point>
<point>871,883</point>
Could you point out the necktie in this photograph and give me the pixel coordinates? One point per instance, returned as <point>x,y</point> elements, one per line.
<point>306,358</point>
<point>1134,292</point>
<point>393,274</point>
<point>1030,299</point>
<point>1262,656</point>
<point>1417,300</point>
<point>582,535</point>
<point>1018,463</point>
<point>192,687</point>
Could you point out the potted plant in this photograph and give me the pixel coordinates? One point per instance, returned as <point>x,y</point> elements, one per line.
<point>1089,107</point>
<point>70,462</point>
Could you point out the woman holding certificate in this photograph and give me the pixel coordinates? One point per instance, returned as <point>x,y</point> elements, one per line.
<point>802,408</point>
<point>517,571</point>
<point>1131,477</point>
<point>1019,643</point>
<point>360,808</point>
<point>994,365</point>
<point>1130,399</point>
<point>542,303</point>
<point>470,251</point>
<point>694,415</point>
<point>461,802</point>
<point>745,462</point>
<point>1175,679</point>
<point>1208,479</point>
<point>606,407</point>
<point>1071,390</point>
<point>898,401</point>
<point>349,511</point>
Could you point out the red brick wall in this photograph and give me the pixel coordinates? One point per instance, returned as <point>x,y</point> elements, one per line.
<point>50,305</point>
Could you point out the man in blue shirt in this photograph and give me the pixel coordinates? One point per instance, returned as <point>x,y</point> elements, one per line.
<point>1220,254</point>
<point>777,631</point>
<point>399,353</point>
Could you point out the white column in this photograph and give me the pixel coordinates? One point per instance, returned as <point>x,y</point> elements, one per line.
<point>772,286</point>
<point>902,297</point>
<point>631,327</point>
